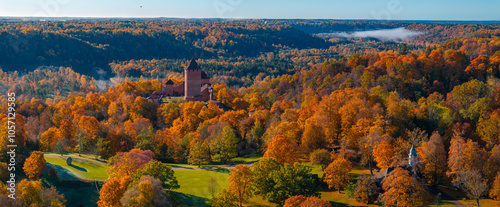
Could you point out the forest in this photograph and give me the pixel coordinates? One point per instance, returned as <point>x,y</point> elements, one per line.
<point>329,121</point>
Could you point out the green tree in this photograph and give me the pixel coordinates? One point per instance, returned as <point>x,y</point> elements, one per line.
<point>262,175</point>
<point>225,146</point>
<point>290,181</point>
<point>158,170</point>
<point>199,153</point>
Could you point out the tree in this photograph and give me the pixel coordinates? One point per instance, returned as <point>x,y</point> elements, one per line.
<point>49,138</point>
<point>224,146</point>
<point>112,191</point>
<point>224,199</point>
<point>465,156</point>
<point>127,163</point>
<point>366,190</point>
<point>34,165</point>
<point>240,183</point>
<point>383,154</point>
<point>212,185</point>
<point>433,156</point>
<point>30,192</point>
<point>320,157</point>
<point>404,49</point>
<point>302,201</point>
<point>472,183</point>
<point>290,181</point>
<point>52,198</point>
<point>337,174</point>
<point>294,201</point>
<point>495,188</point>
<point>283,150</point>
<point>199,153</point>
<point>59,147</point>
<point>158,170</point>
<point>147,193</point>
<point>402,190</point>
<point>262,175</point>
<point>313,137</point>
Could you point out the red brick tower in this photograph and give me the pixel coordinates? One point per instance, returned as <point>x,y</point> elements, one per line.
<point>192,80</point>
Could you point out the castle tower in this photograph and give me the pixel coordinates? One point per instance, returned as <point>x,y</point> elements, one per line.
<point>412,157</point>
<point>192,80</point>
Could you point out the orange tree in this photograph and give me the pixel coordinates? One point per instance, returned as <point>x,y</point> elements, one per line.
<point>240,183</point>
<point>401,190</point>
<point>337,174</point>
<point>34,165</point>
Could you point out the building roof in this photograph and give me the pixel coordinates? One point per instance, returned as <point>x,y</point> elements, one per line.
<point>169,82</point>
<point>192,65</point>
<point>204,75</point>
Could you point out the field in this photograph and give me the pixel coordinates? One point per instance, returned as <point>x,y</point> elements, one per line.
<point>79,169</point>
<point>194,183</point>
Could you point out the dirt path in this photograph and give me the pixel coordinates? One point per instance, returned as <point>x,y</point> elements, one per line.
<point>448,198</point>
<point>210,168</point>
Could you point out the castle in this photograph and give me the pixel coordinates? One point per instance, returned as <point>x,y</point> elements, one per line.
<point>196,86</point>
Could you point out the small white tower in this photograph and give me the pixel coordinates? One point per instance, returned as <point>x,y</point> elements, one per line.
<point>412,157</point>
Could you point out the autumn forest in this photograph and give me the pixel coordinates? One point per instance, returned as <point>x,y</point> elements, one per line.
<point>301,116</point>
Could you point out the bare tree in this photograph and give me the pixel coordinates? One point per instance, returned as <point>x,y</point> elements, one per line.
<point>472,183</point>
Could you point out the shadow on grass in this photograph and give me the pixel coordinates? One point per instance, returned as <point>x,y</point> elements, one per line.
<point>63,173</point>
<point>78,193</point>
<point>78,168</point>
<point>178,166</point>
<point>181,199</point>
<point>338,204</point>
<point>219,169</point>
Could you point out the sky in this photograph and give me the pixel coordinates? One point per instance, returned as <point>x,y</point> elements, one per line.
<point>273,9</point>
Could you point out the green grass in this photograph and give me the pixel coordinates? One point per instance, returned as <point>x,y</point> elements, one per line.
<point>79,169</point>
<point>188,166</point>
<point>75,155</point>
<point>247,159</point>
<point>194,185</point>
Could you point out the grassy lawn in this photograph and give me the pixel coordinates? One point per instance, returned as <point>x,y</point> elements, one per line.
<point>247,159</point>
<point>482,202</point>
<point>194,185</point>
<point>75,155</point>
<point>78,169</point>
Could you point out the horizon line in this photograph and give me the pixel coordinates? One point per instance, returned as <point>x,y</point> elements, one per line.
<point>247,18</point>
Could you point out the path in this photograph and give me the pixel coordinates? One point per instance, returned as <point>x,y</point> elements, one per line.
<point>450,199</point>
<point>211,168</point>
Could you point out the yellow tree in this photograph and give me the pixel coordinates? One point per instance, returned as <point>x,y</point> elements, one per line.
<point>313,137</point>
<point>49,138</point>
<point>146,195</point>
<point>403,190</point>
<point>34,165</point>
<point>241,183</point>
<point>495,188</point>
<point>30,192</point>
<point>433,156</point>
<point>283,150</point>
<point>337,174</point>
<point>112,191</point>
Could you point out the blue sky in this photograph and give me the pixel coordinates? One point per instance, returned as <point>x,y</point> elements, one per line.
<point>307,9</point>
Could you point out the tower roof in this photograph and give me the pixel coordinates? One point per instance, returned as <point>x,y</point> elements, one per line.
<point>413,151</point>
<point>192,65</point>
<point>169,82</point>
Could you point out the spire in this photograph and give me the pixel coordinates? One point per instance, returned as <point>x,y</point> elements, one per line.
<point>412,157</point>
<point>192,65</point>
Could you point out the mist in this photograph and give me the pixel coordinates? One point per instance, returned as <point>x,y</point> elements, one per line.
<point>400,33</point>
